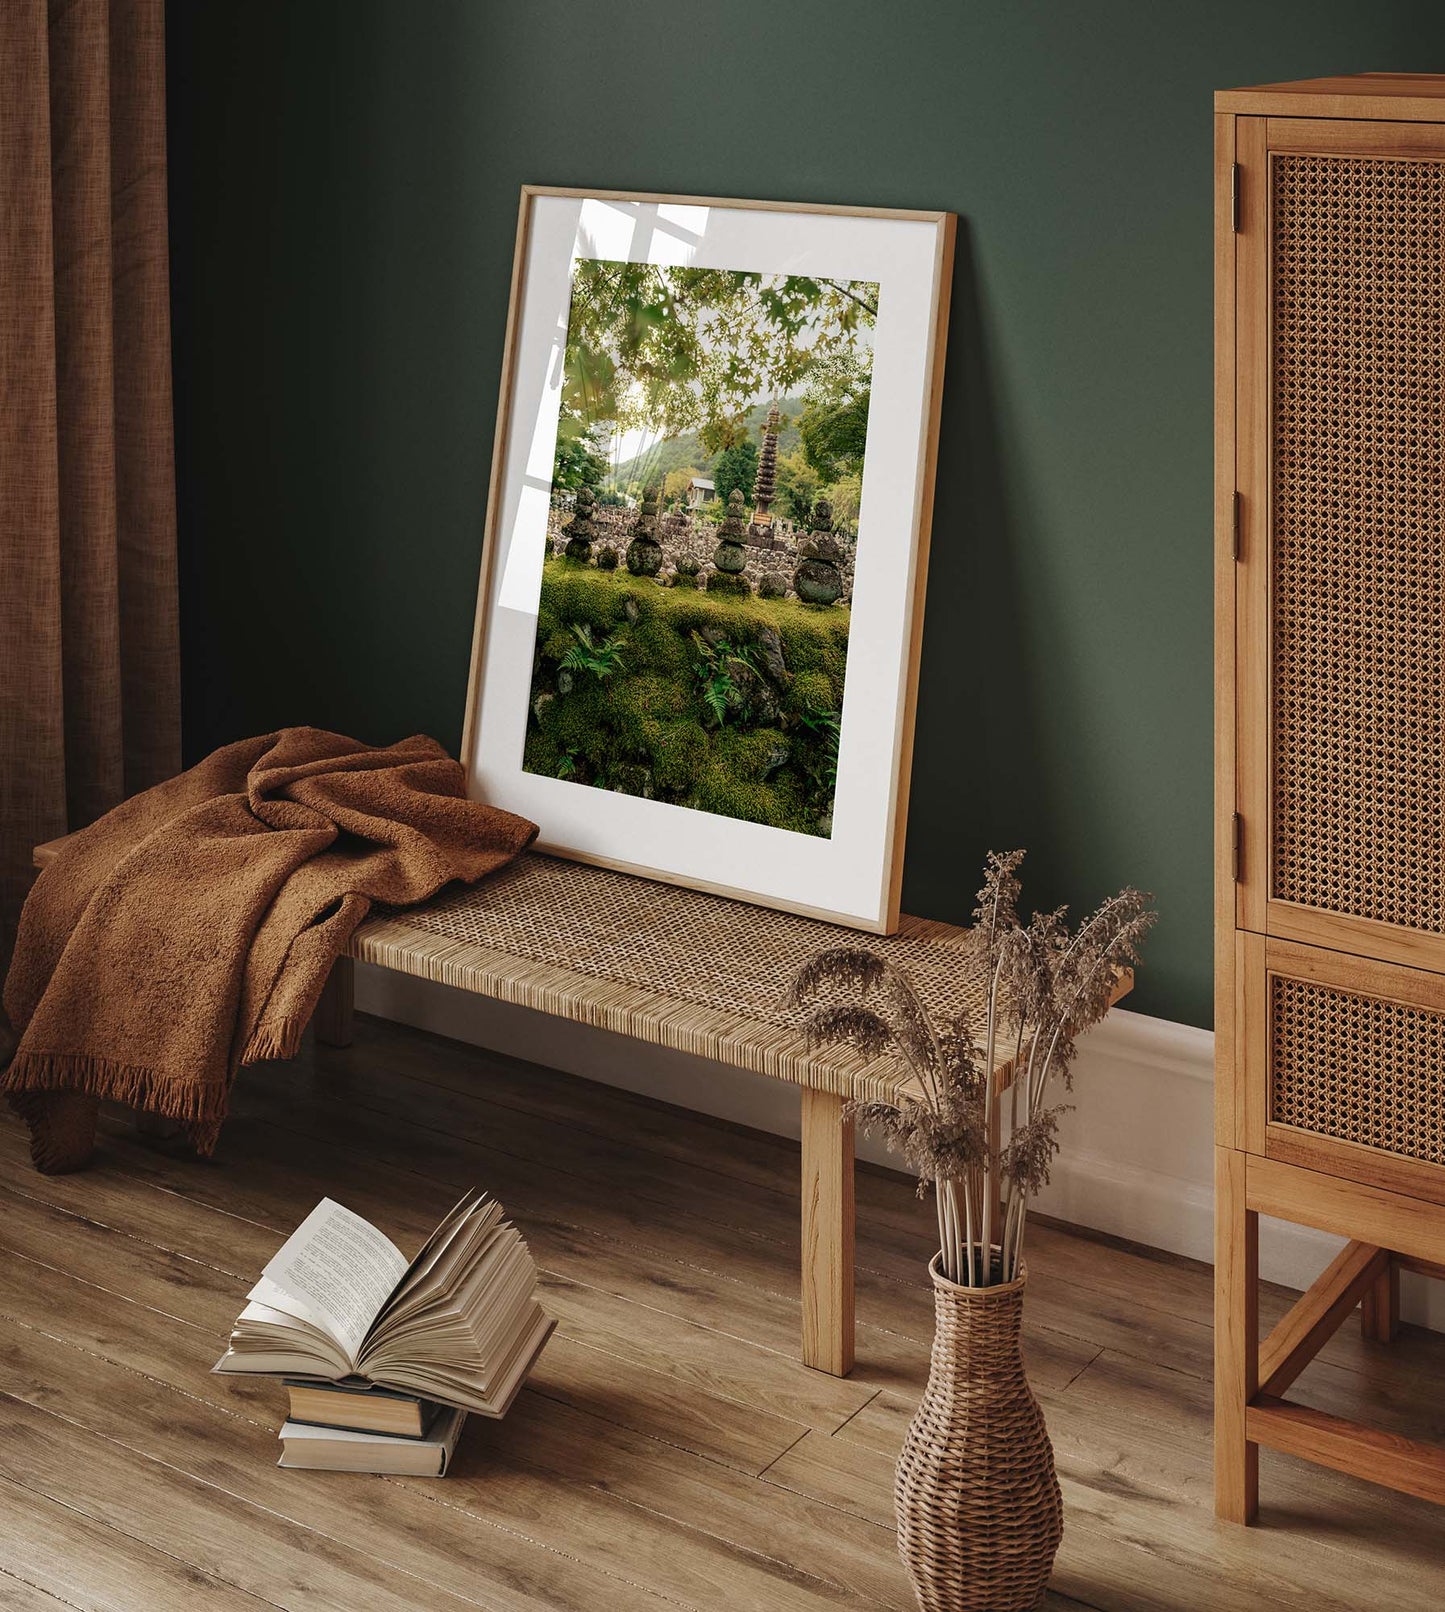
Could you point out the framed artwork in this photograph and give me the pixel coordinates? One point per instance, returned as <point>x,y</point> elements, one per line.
<point>701,598</point>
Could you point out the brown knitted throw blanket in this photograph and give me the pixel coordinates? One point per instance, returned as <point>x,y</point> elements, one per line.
<point>191,930</point>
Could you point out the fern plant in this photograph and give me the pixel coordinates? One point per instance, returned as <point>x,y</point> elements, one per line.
<point>586,655</point>
<point>719,689</point>
<point>827,726</point>
<point>1045,987</point>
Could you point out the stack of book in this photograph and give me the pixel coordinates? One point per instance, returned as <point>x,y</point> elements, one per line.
<point>384,1359</point>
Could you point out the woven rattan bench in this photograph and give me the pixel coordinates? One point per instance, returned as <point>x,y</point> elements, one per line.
<point>682,969</point>
<point>694,972</point>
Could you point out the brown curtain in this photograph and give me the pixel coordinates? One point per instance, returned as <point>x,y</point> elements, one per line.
<point>89,663</point>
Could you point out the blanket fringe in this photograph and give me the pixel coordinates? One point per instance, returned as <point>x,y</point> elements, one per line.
<point>200,1111</point>
<point>274,1039</point>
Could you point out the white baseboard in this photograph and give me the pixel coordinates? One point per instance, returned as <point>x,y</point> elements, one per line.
<point>1137,1158</point>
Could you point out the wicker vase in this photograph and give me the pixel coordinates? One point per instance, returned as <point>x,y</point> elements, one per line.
<point>979,1510</point>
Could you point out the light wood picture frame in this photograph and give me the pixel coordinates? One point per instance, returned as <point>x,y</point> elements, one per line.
<point>726,700</point>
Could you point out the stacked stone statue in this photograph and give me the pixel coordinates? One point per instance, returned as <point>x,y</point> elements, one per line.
<point>730,557</point>
<point>581,529</point>
<point>817,579</point>
<point>765,483</point>
<point>644,552</point>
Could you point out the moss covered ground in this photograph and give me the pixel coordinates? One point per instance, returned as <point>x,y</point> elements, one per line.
<point>727,704</point>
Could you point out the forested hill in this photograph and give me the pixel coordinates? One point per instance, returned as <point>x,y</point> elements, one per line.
<point>679,452</point>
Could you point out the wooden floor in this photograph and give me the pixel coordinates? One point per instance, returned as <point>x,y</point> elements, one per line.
<point>670,1452</point>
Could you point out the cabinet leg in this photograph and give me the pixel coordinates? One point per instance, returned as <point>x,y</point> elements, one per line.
<point>828,1220</point>
<point>332,1018</point>
<point>1380,1307</point>
<point>1236,1339</point>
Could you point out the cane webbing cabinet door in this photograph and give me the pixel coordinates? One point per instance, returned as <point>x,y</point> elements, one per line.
<point>1341,294</point>
<point>1345,1065</point>
<point>1330,729</point>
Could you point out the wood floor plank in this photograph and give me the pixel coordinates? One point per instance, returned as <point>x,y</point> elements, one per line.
<point>657,1403</point>
<point>196,1296</point>
<point>239,1544</point>
<point>779,1525</point>
<point>1139,1429</point>
<point>1112,1293</point>
<point>697,1560</point>
<point>1133,1440</point>
<point>205,1301</point>
<point>422,1550</point>
<point>715,1362</point>
<point>852,1477</point>
<point>18,1595</point>
<point>700,1357</point>
<point>537,1192</point>
<point>746,1156</point>
<point>1096,1564</point>
<point>672,1452</point>
<point>622,1521</point>
<point>271,1171</point>
<point>71,1560</point>
<point>1163,1416</point>
<point>113,1195</point>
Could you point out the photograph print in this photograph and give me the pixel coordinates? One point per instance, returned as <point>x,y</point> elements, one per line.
<point>692,629</point>
<point>706,541</point>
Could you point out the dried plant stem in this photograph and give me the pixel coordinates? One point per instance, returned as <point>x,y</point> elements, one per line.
<point>951,1233</point>
<point>1009,1251</point>
<point>1021,1215</point>
<point>990,1078</point>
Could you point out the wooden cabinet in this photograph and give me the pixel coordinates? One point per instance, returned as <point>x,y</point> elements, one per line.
<point>1330,728</point>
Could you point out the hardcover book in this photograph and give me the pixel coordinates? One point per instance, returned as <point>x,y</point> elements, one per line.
<point>360,1407</point>
<point>460,1324</point>
<point>339,1449</point>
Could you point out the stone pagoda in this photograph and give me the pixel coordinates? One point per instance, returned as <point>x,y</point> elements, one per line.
<point>765,484</point>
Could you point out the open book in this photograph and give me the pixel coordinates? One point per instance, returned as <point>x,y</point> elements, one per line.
<point>460,1324</point>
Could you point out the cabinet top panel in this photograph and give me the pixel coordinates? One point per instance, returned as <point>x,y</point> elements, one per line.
<point>1412,97</point>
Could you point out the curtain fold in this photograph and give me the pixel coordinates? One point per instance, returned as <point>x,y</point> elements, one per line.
<point>89,653</point>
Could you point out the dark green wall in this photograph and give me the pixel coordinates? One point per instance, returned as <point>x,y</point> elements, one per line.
<point>344,184</point>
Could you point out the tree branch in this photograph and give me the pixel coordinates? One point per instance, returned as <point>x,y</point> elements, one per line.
<point>841,286</point>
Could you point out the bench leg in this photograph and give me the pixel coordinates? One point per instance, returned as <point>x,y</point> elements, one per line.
<point>827,1234</point>
<point>1380,1308</point>
<point>62,1128</point>
<point>333,1012</point>
<point>156,1127</point>
<point>1236,1339</point>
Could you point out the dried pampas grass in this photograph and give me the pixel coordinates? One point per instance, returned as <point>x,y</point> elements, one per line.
<point>1046,987</point>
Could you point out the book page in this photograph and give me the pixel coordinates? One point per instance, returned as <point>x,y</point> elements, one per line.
<point>435,1267</point>
<point>453,1224</point>
<point>336,1270</point>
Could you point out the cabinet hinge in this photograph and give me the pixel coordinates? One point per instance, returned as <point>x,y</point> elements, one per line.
<point>1238,860</point>
<point>1234,198</point>
<point>1238,503</point>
